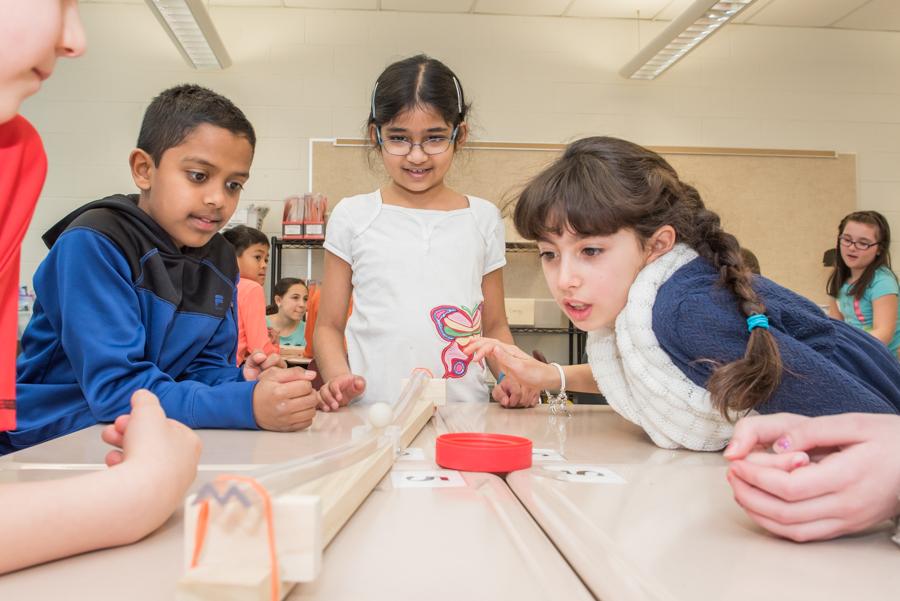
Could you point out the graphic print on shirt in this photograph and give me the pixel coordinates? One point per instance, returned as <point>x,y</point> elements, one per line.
<point>456,325</point>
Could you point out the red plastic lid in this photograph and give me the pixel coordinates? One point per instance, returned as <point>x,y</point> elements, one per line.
<point>483,452</point>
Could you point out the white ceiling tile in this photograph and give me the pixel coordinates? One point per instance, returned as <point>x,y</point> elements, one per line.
<point>246,3</point>
<point>618,9</point>
<point>675,8</point>
<point>553,8</point>
<point>804,13</point>
<point>428,6</point>
<point>334,4</point>
<point>748,13</point>
<point>876,15</point>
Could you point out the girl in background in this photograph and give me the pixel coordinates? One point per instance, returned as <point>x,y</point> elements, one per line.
<point>252,249</point>
<point>286,316</point>
<point>682,338</point>
<point>863,287</point>
<point>422,262</point>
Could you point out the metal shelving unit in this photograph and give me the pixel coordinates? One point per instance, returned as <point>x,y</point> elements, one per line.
<point>521,247</point>
<point>279,244</point>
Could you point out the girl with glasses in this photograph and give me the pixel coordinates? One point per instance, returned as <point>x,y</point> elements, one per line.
<point>682,338</point>
<point>863,287</point>
<point>422,262</point>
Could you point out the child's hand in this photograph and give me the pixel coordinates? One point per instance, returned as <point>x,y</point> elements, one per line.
<point>274,337</point>
<point>527,371</point>
<point>258,362</point>
<point>758,433</point>
<point>851,488</point>
<point>284,399</point>
<point>165,452</point>
<point>339,391</point>
<point>510,393</point>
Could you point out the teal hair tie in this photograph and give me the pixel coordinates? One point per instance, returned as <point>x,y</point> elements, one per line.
<point>757,320</point>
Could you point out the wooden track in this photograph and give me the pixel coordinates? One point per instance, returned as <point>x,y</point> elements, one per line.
<point>237,569</point>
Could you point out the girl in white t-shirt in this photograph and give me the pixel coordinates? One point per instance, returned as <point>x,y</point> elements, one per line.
<point>422,262</point>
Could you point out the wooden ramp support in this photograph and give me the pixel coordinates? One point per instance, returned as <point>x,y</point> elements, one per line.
<point>233,545</point>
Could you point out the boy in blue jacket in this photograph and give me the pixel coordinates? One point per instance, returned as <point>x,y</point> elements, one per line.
<point>138,291</point>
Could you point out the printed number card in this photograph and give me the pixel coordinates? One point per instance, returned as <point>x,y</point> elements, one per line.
<point>427,479</point>
<point>588,474</point>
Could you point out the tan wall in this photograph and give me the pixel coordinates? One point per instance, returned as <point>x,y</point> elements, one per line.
<point>784,208</point>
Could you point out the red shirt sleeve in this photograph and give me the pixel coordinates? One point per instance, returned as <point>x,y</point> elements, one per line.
<point>23,168</point>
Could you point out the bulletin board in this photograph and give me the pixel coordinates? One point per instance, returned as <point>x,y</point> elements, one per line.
<point>784,205</point>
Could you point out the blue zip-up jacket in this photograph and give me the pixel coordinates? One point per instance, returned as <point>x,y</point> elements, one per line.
<point>120,307</point>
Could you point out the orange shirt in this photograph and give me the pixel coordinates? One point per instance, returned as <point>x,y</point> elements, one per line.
<point>253,333</point>
<point>23,168</point>
<point>312,311</point>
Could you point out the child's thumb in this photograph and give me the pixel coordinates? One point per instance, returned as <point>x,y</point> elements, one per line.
<point>144,401</point>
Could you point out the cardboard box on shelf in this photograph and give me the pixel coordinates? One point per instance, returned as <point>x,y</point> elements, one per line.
<point>314,230</point>
<point>304,217</point>
<point>292,230</point>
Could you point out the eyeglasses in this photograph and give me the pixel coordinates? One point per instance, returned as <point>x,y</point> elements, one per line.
<point>401,146</point>
<point>847,242</point>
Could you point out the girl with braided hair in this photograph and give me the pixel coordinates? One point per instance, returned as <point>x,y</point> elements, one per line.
<point>682,338</point>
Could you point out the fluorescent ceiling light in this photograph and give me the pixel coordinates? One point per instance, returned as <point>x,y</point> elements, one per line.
<point>699,21</point>
<point>188,24</point>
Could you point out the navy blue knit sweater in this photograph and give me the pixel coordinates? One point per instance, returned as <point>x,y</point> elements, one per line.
<point>830,367</point>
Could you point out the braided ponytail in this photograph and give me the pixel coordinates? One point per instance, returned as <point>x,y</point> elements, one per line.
<point>741,385</point>
<point>601,185</point>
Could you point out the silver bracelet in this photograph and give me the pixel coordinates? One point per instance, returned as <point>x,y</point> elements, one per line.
<point>558,401</point>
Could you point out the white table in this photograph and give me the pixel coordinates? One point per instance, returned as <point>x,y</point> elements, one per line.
<point>673,530</point>
<point>472,542</point>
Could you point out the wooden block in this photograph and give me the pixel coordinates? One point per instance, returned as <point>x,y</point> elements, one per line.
<point>286,350</point>
<point>237,536</point>
<point>520,311</point>
<point>435,392</point>
<point>235,563</point>
<point>245,582</point>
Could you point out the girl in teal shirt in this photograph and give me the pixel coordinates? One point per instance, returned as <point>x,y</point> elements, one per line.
<point>289,318</point>
<point>863,287</point>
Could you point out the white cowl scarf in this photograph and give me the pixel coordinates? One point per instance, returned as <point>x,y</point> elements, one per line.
<point>639,379</point>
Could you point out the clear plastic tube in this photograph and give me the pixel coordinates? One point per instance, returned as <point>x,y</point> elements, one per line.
<point>281,477</point>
